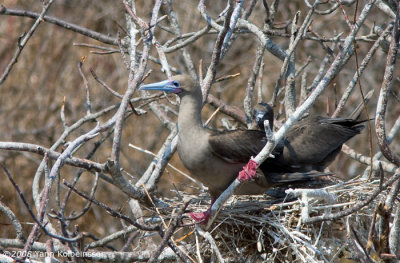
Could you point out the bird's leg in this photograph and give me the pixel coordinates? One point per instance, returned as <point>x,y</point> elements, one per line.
<point>249,171</point>
<point>202,217</point>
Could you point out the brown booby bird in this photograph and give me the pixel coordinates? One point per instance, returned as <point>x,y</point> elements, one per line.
<point>312,143</point>
<point>216,158</point>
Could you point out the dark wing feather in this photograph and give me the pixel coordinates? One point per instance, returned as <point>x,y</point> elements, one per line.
<point>237,146</point>
<point>314,139</point>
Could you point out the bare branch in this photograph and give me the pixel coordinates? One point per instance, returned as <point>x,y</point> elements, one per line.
<point>14,220</point>
<point>383,97</point>
<point>361,69</point>
<point>23,39</point>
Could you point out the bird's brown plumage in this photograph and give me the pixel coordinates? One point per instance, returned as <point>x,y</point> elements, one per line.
<point>312,143</point>
<point>215,158</point>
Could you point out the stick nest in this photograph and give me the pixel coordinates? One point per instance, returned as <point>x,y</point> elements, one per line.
<point>270,229</point>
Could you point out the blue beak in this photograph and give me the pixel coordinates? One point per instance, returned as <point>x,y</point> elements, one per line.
<point>165,85</point>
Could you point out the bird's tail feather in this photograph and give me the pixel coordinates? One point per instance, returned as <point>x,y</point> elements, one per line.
<point>285,178</point>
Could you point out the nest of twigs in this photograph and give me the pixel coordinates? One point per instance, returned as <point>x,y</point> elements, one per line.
<point>269,229</point>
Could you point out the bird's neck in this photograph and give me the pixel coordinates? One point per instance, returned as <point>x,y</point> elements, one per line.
<point>192,137</point>
<point>189,118</point>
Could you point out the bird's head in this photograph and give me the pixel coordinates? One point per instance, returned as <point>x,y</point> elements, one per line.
<point>261,112</point>
<point>179,84</point>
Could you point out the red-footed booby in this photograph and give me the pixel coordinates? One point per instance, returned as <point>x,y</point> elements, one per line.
<point>312,143</point>
<point>216,159</point>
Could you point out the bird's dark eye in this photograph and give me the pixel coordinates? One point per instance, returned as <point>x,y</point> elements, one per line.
<point>175,83</point>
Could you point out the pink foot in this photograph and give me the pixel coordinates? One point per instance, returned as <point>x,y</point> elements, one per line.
<point>249,171</point>
<point>201,217</point>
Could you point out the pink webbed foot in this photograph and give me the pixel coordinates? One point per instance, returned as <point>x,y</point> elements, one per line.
<point>201,217</point>
<point>249,171</point>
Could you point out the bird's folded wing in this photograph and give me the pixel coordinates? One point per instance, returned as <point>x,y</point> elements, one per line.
<point>238,146</point>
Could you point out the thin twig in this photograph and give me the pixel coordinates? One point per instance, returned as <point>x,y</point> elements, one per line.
<point>23,40</point>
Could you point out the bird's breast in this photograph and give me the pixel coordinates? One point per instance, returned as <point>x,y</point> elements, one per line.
<point>205,167</point>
